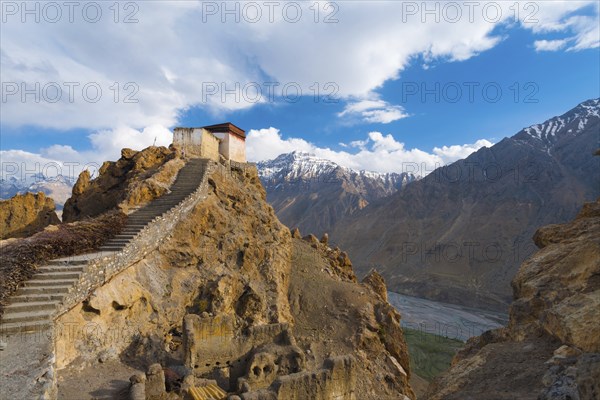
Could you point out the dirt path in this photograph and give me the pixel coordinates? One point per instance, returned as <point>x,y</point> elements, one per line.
<point>107,380</point>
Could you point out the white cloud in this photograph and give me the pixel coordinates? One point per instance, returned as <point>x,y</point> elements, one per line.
<point>549,45</point>
<point>24,166</point>
<point>108,143</point>
<point>588,32</point>
<point>581,31</point>
<point>452,153</point>
<point>265,144</point>
<point>65,160</point>
<point>169,60</point>
<point>176,50</point>
<point>374,111</point>
<point>379,152</point>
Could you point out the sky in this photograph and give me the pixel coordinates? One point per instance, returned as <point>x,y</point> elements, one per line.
<point>372,85</point>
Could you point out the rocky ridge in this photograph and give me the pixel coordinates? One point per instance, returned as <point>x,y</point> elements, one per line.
<point>128,183</point>
<point>228,298</point>
<point>314,194</point>
<point>459,234</point>
<point>551,347</point>
<point>25,214</point>
<point>57,187</point>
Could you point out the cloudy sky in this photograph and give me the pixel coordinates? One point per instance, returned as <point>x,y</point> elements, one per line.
<point>368,84</point>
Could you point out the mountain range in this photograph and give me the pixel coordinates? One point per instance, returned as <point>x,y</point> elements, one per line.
<point>459,234</point>
<point>58,187</point>
<point>313,194</point>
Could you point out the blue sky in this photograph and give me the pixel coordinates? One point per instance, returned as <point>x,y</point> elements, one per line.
<point>379,59</point>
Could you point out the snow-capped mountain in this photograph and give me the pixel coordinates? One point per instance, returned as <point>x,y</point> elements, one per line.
<point>58,187</point>
<point>298,166</point>
<point>313,193</point>
<point>496,198</point>
<point>572,123</point>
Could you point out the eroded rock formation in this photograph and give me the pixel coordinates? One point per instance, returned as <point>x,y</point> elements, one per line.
<point>135,179</point>
<point>231,299</point>
<point>551,347</point>
<point>25,214</point>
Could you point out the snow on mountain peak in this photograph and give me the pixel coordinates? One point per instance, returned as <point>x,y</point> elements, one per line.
<point>548,131</point>
<point>305,166</point>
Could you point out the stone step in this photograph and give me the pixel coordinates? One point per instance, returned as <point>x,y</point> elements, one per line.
<point>27,290</point>
<point>22,327</point>
<point>53,269</point>
<point>45,283</point>
<point>144,221</point>
<point>147,216</point>
<point>170,198</point>
<point>148,211</point>
<point>132,231</point>
<point>62,275</point>
<point>37,298</point>
<point>116,242</point>
<point>67,262</point>
<point>124,237</point>
<point>163,203</point>
<point>30,306</point>
<point>114,249</point>
<point>157,208</point>
<point>144,213</point>
<point>161,207</point>
<point>144,217</point>
<point>26,316</point>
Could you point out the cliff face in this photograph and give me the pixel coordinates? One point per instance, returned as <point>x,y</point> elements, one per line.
<point>551,347</point>
<point>231,297</point>
<point>25,214</point>
<point>135,179</point>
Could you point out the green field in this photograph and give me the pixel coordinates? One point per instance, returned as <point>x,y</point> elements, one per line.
<point>430,354</point>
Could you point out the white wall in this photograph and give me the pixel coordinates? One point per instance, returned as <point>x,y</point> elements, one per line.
<point>237,149</point>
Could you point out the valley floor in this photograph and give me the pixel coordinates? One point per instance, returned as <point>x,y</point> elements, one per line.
<point>443,319</point>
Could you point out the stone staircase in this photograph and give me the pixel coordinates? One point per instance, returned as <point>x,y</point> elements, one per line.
<point>33,306</point>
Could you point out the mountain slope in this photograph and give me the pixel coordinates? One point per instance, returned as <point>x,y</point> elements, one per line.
<point>58,187</point>
<point>549,349</point>
<point>459,234</point>
<point>313,193</point>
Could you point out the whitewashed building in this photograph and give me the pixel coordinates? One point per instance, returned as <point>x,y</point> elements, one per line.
<point>211,141</point>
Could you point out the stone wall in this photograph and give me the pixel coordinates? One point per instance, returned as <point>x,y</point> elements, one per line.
<point>196,142</point>
<point>336,381</point>
<point>187,139</point>
<point>232,147</point>
<point>209,146</point>
<point>97,272</point>
<point>211,342</point>
<point>237,149</point>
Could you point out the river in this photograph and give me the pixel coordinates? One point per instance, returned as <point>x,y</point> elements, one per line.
<point>443,319</point>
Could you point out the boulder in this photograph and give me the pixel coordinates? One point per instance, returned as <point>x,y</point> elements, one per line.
<point>25,214</point>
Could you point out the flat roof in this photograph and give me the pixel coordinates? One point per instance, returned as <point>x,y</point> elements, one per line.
<point>226,127</point>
